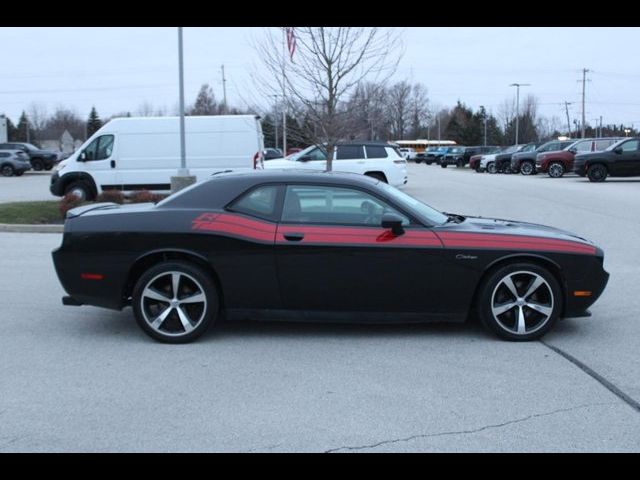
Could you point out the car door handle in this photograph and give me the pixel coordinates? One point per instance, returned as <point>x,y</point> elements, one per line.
<point>113,164</point>
<point>293,236</point>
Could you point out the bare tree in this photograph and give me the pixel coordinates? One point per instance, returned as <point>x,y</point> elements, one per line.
<point>399,108</point>
<point>329,63</point>
<point>37,114</point>
<point>145,109</point>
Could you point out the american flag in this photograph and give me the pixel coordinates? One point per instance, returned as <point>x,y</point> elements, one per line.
<point>291,41</point>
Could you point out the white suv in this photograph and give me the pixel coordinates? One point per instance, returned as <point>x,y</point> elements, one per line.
<point>378,160</point>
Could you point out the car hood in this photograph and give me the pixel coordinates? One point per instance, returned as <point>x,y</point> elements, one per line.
<point>514,227</point>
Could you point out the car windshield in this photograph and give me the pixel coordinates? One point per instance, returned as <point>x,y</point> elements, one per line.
<point>295,156</point>
<point>427,213</point>
<point>30,147</point>
<point>511,149</point>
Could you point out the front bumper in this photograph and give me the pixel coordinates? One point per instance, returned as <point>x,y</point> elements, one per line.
<point>55,187</point>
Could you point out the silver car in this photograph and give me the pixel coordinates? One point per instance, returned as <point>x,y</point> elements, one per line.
<point>14,162</point>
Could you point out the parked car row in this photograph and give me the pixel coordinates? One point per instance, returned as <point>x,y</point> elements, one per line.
<point>39,159</point>
<point>13,162</point>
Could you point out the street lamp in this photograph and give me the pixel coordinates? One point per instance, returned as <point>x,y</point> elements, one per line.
<point>518,85</point>
<point>627,131</point>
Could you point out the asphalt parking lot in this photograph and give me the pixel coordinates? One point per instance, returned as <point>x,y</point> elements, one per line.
<point>30,186</point>
<point>87,379</point>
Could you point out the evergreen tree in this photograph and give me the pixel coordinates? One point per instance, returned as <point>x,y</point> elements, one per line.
<point>24,129</point>
<point>205,102</point>
<point>93,123</point>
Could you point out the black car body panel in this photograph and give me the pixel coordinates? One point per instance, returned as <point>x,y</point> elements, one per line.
<point>427,273</point>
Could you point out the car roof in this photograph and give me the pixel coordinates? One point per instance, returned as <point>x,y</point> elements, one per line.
<point>289,175</point>
<point>373,143</point>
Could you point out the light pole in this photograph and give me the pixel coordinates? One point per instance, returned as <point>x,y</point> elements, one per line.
<point>518,85</point>
<point>183,178</point>
<point>627,131</point>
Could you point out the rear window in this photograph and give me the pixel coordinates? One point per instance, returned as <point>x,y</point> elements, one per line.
<point>375,151</point>
<point>259,202</point>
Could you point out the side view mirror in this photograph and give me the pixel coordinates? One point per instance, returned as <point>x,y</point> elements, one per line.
<point>618,149</point>
<point>394,222</point>
<point>82,157</point>
<point>573,150</point>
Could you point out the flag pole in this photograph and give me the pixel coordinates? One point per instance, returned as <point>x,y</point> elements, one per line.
<point>284,98</point>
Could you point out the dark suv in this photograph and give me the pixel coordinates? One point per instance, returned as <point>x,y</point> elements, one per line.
<point>461,156</point>
<point>622,159</point>
<point>525,162</point>
<point>502,162</point>
<point>40,159</point>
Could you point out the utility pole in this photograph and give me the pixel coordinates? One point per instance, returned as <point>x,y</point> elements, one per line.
<point>183,178</point>
<point>566,106</point>
<point>518,85</point>
<point>275,117</point>
<point>284,98</point>
<point>484,120</point>
<point>224,89</point>
<point>438,120</point>
<point>584,82</point>
<point>601,126</point>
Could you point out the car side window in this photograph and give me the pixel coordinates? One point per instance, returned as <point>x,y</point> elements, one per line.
<point>329,205</point>
<point>375,151</point>
<point>349,152</point>
<point>4,154</point>
<point>583,147</point>
<point>99,149</point>
<point>259,202</point>
<point>315,154</point>
<point>602,145</point>
<point>630,146</point>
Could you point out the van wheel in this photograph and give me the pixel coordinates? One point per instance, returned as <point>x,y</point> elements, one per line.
<point>175,302</point>
<point>520,302</point>
<point>597,173</point>
<point>556,170</point>
<point>80,189</point>
<point>377,176</point>
<point>37,164</point>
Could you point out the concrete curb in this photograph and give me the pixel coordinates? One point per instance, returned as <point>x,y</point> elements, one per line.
<point>46,228</point>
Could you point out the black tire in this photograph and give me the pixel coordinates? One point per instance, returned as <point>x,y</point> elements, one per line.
<point>527,168</point>
<point>171,329</point>
<point>19,173</point>
<point>460,163</point>
<point>377,176</point>
<point>428,162</point>
<point>37,164</point>
<point>495,295</point>
<point>556,170</point>
<point>48,167</point>
<point>7,170</point>
<point>81,189</point>
<point>597,173</point>
<point>491,167</point>
<point>443,165</point>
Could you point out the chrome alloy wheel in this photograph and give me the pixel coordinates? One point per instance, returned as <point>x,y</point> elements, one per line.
<point>522,302</point>
<point>556,170</point>
<point>173,303</point>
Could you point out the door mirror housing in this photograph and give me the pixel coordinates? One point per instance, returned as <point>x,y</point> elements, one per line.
<point>573,150</point>
<point>618,149</point>
<point>82,157</point>
<point>394,222</point>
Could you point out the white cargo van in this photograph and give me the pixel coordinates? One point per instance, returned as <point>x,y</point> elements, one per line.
<point>129,154</point>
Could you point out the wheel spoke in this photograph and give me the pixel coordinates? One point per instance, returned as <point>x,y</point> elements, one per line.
<point>195,298</point>
<point>158,321</point>
<point>533,286</point>
<point>155,295</point>
<point>521,324</point>
<point>508,281</point>
<point>186,323</point>
<point>505,307</point>
<point>175,284</point>
<point>543,309</point>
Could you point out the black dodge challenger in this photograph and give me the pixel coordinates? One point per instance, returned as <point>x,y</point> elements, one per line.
<point>285,245</point>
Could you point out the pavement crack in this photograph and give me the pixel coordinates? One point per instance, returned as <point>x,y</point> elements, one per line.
<point>467,432</point>
<point>596,376</point>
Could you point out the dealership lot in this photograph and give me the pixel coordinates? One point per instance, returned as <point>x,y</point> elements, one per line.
<point>31,186</point>
<point>88,379</point>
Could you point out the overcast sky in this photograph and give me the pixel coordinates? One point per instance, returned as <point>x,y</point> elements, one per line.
<point>117,69</point>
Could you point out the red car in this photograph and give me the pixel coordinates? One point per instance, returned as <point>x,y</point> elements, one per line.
<point>293,150</point>
<point>555,164</point>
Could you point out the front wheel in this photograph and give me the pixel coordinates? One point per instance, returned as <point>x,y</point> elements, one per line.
<point>527,168</point>
<point>443,165</point>
<point>556,170</point>
<point>80,189</point>
<point>597,173</point>
<point>175,302</point>
<point>491,167</point>
<point>520,302</point>
<point>37,164</point>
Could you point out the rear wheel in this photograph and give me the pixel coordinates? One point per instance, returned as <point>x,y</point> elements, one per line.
<point>460,163</point>
<point>526,168</point>
<point>377,176</point>
<point>19,173</point>
<point>175,302</point>
<point>7,170</point>
<point>443,165</point>
<point>37,164</point>
<point>556,170</point>
<point>597,173</point>
<point>520,302</point>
